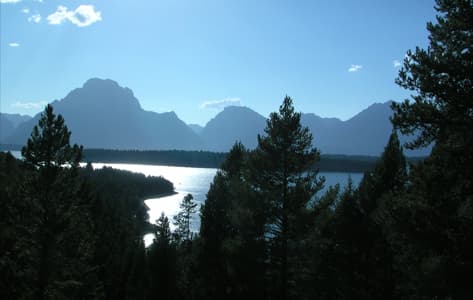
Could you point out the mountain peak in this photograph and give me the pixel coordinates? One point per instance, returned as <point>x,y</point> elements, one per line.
<point>95,81</point>
<point>236,108</point>
<point>102,114</point>
<point>106,85</point>
<point>103,93</point>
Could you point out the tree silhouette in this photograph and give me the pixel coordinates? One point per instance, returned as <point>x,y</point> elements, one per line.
<point>433,218</point>
<point>48,145</point>
<point>281,166</point>
<point>62,233</point>
<point>183,219</point>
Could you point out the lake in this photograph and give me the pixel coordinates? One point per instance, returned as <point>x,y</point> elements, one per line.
<point>196,181</point>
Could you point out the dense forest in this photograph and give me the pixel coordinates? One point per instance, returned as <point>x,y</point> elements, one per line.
<point>406,232</point>
<point>206,159</point>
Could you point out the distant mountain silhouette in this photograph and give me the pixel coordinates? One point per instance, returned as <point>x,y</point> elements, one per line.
<point>8,124</point>
<point>102,114</point>
<point>364,134</point>
<point>196,128</point>
<point>234,123</point>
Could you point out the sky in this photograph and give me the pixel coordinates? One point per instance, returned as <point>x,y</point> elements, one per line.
<point>333,58</point>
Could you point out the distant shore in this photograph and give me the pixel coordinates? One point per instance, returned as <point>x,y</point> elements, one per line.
<point>161,195</point>
<point>207,159</point>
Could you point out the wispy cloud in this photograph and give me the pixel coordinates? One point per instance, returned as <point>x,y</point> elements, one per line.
<point>35,18</point>
<point>219,104</point>
<point>14,44</point>
<point>10,1</point>
<point>29,105</point>
<point>25,10</point>
<point>355,68</point>
<point>83,15</point>
<point>396,63</point>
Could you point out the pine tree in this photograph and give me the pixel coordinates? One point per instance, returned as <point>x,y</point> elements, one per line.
<point>282,175</point>
<point>388,176</point>
<point>63,237</point>
<point>434,217</point>
<point>184,238</point>
<point>182,220</point>
<point>232,233</point>
<point>48,147</point>
<point>162,262</point>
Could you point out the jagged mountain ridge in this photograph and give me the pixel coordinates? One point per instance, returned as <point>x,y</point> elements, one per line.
<point>102,114</point>
<point>364,134</point>
<point>234,123</point>
<point>9,122</point>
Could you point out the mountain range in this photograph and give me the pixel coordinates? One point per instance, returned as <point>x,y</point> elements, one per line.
<point>102,114</point>
<point>9,122</point>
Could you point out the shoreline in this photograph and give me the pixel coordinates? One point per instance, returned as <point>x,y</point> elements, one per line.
<point>161,195</point>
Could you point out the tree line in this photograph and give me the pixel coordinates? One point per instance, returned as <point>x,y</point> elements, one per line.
<point>206,159</point>
<point>406,232</point>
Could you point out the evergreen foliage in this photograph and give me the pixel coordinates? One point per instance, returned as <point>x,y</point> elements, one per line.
<point>434,216</point>
<point>182,220</point>
<point>405,232</point>
<point>281,163</point>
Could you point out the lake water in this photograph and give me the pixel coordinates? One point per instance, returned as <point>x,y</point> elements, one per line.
<point>196,181</point>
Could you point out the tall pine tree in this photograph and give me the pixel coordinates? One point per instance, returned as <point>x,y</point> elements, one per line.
<point>435,216</point>
<point>282,175</point>
<point>63,232</point>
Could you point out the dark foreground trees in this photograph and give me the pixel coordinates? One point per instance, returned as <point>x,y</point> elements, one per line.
<point>282,179</point>
<point>54,243</point>
<point>405,233</point>
<point>257,214</point>
<point>68,233</point>
<point>436,215</point>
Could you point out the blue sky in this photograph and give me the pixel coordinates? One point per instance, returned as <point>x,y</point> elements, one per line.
<point>334,58</point>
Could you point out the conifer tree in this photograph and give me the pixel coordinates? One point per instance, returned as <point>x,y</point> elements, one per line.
<point>282,175</point>
<point>433,219</point>
<point>64,242</point>
<point>388,176</point>
<point>162,262</point>
<point>182,220</point>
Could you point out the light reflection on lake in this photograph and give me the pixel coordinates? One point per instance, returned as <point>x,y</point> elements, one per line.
<point>186,180</point>
<point>196,181</point>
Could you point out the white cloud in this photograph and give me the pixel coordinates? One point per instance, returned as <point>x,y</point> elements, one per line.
<point>10,1</point>
<point>29,105</point>
<point>40,1</point>
<point>35,18</point>
<point>14,44</point>
<point>83,15</point>
<point>219,104</point>
<point>25,10</point>
<point>396,63</point>
<point>355,68</point>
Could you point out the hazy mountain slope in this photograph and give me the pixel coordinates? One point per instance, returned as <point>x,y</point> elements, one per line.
<point>364,134</point>
<point>9,122</point>
<point>6,128</point>
<point>234,123</point>
<point>325,131</point>
<point>196,128</point>
<point>15,119</point>
<point>102,114</point>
